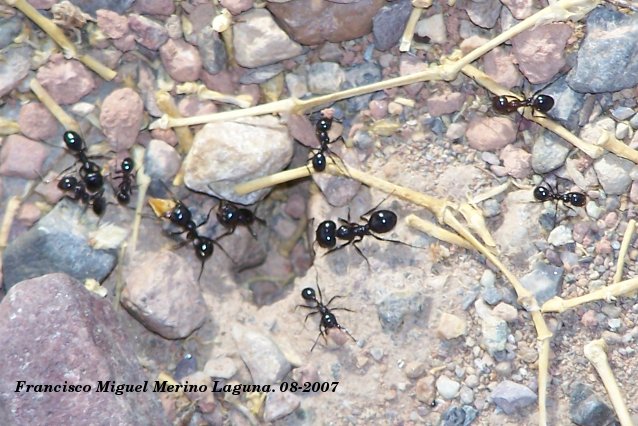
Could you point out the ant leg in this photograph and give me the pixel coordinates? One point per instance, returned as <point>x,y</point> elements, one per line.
<point>305,306</point>
<point>309,315</point>
<point>226,233</point>
<point>201,270</point>
<point>250,229</point>
<point>316,341</point>
<point>333,298</point>
<point>354,244</point>
<point>345,330</point>
<point>337,248</point>
<point>207,217</point>
<point>225,252</point>
<point>362,217</point>
<point>392,241</point>
<point>320,295</point>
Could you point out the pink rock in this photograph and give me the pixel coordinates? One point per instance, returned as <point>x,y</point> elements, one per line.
<point>517,162</point>
<point>603,246</point>
<point>589,319</point>
<point>22,157</point>
<point>520,9</point>
<point>633,193</point>
<point>221,82</point>
<point>295,206</point>
<point>42,4</point>
<point>126,43</point>
<point>191,105</point>
<point>490,133</point>
<point>499,65</point>
<point>28,214</point>
<point>36,122</point>
<point>112,24</point>
<point>181,60</point>
<point>121,117</point>
<point>610,219</point>
<point>409,65</point>
<point>166,135</point>
<point>237,6</point>
<point>148,33</point>
<point>444,103</point>
<point>378,109</point>
<point>66,81</point>
<point>155,7</point>
<point>540,51</point>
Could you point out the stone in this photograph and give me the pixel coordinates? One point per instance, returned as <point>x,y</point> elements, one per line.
<point>14,67</point>
<point>432,27</point>
<point>613,173</point>
<point>447,388</point>
<point>161,293</point>
<point>398,307</point>
<point>228,153</point>
<point>425,389</point>
<point>237,6</point>
<point>211,50</point>
<point>586,409</point>
<point>389,23</point>
<point>65,334</point>
<point>511,397</point>
<point>274,44</point>
<point>544,281</point>
<point>451,326</point>
<point>205,401</point>
<point>147,32</point>
<point>560,236</point>
<point>520,9</point>
<point>505,312</point>
<point>161,161</point>
<point>325,77</point>
<point>279,404</point>
<point>22,157</point>
<point>37,251</point>
<point>568,103</point>
<point>444,103</point>
<point>540,52</point>
<point>265,361</point>
<point>10,27</point>
<point>112,25</point>
<point>155,7</point>
<point>181,60</point>
<point>549,153</point>
<point>517,162</point>
<point>67,81</point>
<point>485,13</point>
<point>360,75</point>
<point>494,330</point>
<point>36,122</point>
<point>121,118</point>
<point>490,133</point>
<point>222,368</point>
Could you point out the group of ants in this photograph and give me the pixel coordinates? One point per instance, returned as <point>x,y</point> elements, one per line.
<point>89,190</point>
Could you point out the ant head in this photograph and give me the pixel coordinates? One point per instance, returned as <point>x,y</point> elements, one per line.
<point>73,141</point>
<point>326,234</point>
<point>323,124</point>
<point>180,215</point>
<point>128,165</point>
<point>382,221</point>
<point>203,247</point>
<point>123,197</point>
<point>542,193</point>
<point>309,294</point>
<point>93,180</point>
<point>543,103</point>
<point>67,183</point>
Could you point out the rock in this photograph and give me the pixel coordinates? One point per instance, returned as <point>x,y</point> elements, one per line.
<point>447,388</point>
<point>181,60</point>
<point>568,104</point>
<point>490,133</point>
<point>37,251</point>
<point>237,6</point>
<point>540,52</point>
<point>520,9</point>
<point>68,336</point>
<point>400,306</point>
<point>121,118</point>
<point>261,74</point>
<point>266,363</point>
<point>360,75</point>
<point>389,23</point>
<point>10,27</point>
<point>484,14</point>
<point>112,25</point>
<point>425,389</point>
<point>622,113</point>
<point>36,122</point>
<point>147,32</point>
<point>162,293</point>
<point>493,329</point>
<point>560,236</point>
<point>22,157</point>
<point>517,162</point>
<point>66,81</point>
<point>222,368</point>
<point>511,397</point>
<point>444,103</point>
<point>155,7</point>
<point>310,22</point>
<point>185,367</point>
<point>227,153</point>
<point>325,77</point>
<point>586,409</point>
<point>432,27</point>
<point>549,152</point>
<point>505,312</point>
<point>499,64</point>
<point>91,6</point>
<point>454,416</point>
<point>279,405</point>
<point>544,281</point>
<point>274,44</point>
<point>161,161</point>
<point>610,32</point>
<point>205,401</point>
<point>451,326</point>
<point>613,173</point>
<point>211,50</point>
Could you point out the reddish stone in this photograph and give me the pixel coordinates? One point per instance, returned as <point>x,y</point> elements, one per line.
<point>181,60</point>
<point>22,157</point>
<point>66,81</point>
<point>121,117</point>
<point>36,122</point>
<point>112,24</point>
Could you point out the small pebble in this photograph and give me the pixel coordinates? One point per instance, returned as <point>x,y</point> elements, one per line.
<point>447,388</point>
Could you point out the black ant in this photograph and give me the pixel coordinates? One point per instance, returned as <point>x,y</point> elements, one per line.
<point>125,188</point>
<point>70,184</point>
<point>506,104</point>
<point>544,192</point>
<point>230,216</point>
<point>322,127</point>
<point>90,172</point>
<point>328,319</point>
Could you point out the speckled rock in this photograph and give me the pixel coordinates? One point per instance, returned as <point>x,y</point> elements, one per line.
<point>121,118</point>
<point>112,24</point>
<point>258,40</point>
<point>451,326</point>
<point>266,363</point>
<point>36,122</point>
<point>511,397</point>
<point>499,64</point>
<point>494,330</point>
<point>325,77</point>
<point>613,173</point>
<point>389,23</point>
<point>162,293</point>
<point>63,333</point>
<point>67,81</point>
<point>490,133</point>
<point>91,6</point>
<point>540,52</point>
<point>586,409</point>
<point>444,103</point>
<point>181,60</point>
<point>228,153</point>
<point>161,161</point>
<point>147,32</point>
<point>520,9</point>
<point>310,22</point>
<point>280,404</point>
<point>549,152</point>
<point>37,251</point>
<point>212,50</point>
<point>223,368</point>
<point>432,27</point>
<point>22,157</point>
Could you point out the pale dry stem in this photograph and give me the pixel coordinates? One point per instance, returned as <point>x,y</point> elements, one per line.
<point>408,33</point>
<point>143,182</point>
<point>166,104</point>
<point>436,231</point>
<point>626,240</point>
<point>8,127</point>
<point>9,214</point>
<point>272,180</point>
<point>202,92</point>
<point>595,352</point>
<point>56,110</point>
<point>607,293</point>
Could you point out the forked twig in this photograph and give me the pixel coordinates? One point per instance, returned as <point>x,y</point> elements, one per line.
<point>607,293</point>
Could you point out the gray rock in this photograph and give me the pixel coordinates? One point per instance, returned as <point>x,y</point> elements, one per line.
<point>622,113</point>
<point>325,77</point>
<point>606,59</point>
<point>544,281</point>
<point>634,122</point>
<point>613,173</point>
<point>296,84</point>
<point>338,190</point>
<point>567,102</point>
<point>549,152</point>
<point>586,409</point>
<point>447,388</point>
<point>361,75</point>
<point>162,293</point>
<point>57,243</point>
<point>226,154</point>
<point>54,332</point>
<point>212,50</point>
<point>389,23</point>
<point>14,67</point>
<point>161,161</point>
<point>454,416</point>
<point>261,74</point>
<point>9,29</point>
<point>398,307</point>
<point>274,44</point>
<point>510,396</point>
<point>280,404</point>
<point>485,13</point>
<point>261,355</point>
<point>560,236</point>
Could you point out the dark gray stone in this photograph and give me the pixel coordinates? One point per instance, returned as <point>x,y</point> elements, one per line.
<point>400,306</point>
<point>9,29</point>
<point>56,332</point>
<point>212,50</point>
<point>389,23</point>
<point>549,152</point>
<point>567,102</point>
<point>361,75</point>
<point>57,243</point>
<point>261,74</point>
<point>585,409</point>
<point>608,57</point>
<point>510,396</point>
<point>544,281</point>
<point>91,6</point>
